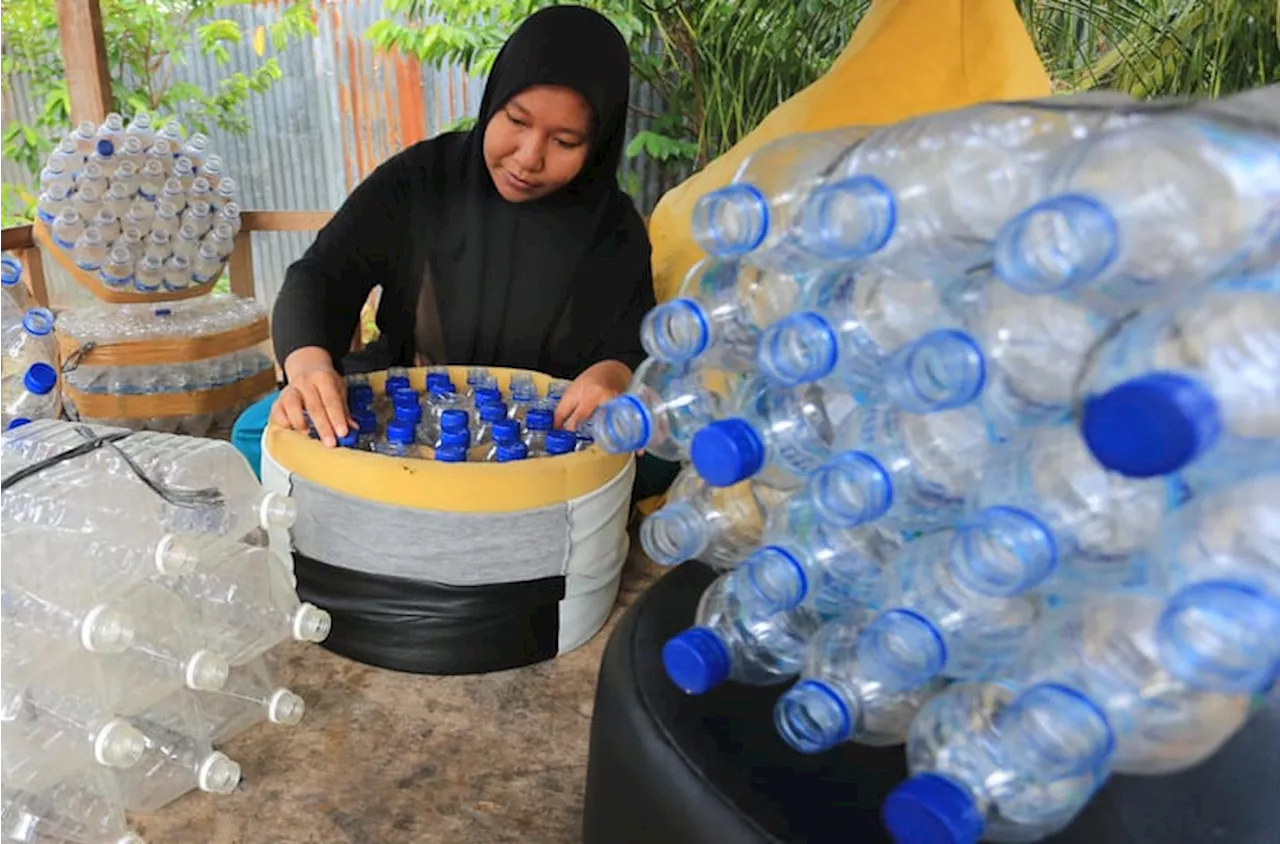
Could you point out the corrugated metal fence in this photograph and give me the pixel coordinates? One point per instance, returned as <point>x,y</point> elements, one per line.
<point>340,109</point>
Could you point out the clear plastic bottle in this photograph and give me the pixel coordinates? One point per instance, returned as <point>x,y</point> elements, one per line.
<point>106,222</point>
<point>777,436</point>
<point>229,213</point>
<point>224,192</point>
<point>213,172</point>
<point>140,127</point>
<point>173,133</point>
<point>1145,212</point>
<point>117,269</point>
<point>163,152</point>
<point>132,152</point>
<point>1189,387</point>
<point>196,148</point>
<point>40,633</point>
<point>67,228</point>
<point>973,621</point>
<point>88,200</point>
<point>151,179</point>
<point>221,238</point>
<point>399,440</point>
<point>111,132</point>
<point>717,318</point>
<point>928,195</point>
<point>65,152</point>
<point>52,202</point>
<point>505,433</point>
<point>186,242</point>
<point>166,221</point>
<point>30,341</point>
<point>177,759</point>
<point>56,174</point>
<point>846,692</point>
<point>560,442</point>
<point>142,215</point>
<point>913,470</point>
<point>756,214</point>
<point>1043,497</point>
<point>158,246</point>
<point>86,806</point>
<point>249,697</point>
<point>149,274</point>
<point>482,428</point>
<point>852,325</point>
<point>524,396</point>
<point>84,136</point>
<point>245,605</point>
<point>15,294</point>
<point>538,424</point>
<point>730,640</point>
<point>207,265</point>
<point>177,273</point>
<point>174,193</point>
<point>986,765</point>
<point>660,412</point>
<point>1114,650</point>
<point>198,215</point>
<point>37,398</point>
<point>185,173</point>
<point>58,726</point>
<point>90,249</point>
<point>720,526</point>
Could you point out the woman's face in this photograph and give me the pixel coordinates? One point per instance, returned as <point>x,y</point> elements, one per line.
<point>538,142</point>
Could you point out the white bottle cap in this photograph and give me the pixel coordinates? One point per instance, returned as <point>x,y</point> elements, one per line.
<point>118,744</point>
<point>275,511</point>
<point>311,624</point>
<point>207,671</point>
<point>177,555</point>
<point>106,631</point>
<point>218,774</point>
<point>285,707</point>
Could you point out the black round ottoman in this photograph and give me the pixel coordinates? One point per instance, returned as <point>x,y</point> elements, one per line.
<point>668,768</point>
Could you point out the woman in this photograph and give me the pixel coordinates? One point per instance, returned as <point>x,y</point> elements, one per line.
<point>509,245</point>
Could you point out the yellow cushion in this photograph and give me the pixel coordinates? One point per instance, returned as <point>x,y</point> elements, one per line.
<point>906,58</point>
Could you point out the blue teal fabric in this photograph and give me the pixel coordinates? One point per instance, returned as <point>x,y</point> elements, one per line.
<point>246,434</point>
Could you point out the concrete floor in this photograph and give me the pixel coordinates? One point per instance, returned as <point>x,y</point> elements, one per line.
<point>389,757</point>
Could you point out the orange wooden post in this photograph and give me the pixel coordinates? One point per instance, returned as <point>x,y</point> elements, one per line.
<point>84,55</point>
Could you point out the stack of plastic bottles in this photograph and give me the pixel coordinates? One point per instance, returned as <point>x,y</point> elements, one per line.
<point>999,479</point>
<point>189,322</point>
<point>476,424</point>
<point>139,606</point>
<point>140,208</point>
<point>30,358</point>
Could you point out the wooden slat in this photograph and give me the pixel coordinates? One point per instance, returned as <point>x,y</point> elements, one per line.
<point>240,265</point>
<point>16,237</point>
<point>284,221</point>
<point>84,55</point>
<point>33,275</point>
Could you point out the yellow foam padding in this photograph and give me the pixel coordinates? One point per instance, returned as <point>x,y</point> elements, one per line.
<point>448,487</point>
<point>905,59</point>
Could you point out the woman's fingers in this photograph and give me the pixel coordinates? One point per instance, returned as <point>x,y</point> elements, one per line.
<point>333,397</point>
<point>290,404</point>
<point>319,414</point>
<point>565,409</point>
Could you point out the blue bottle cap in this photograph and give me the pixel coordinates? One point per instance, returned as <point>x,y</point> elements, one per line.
<point>493,412</point>
<point>451,454</point>
<point>18,423</point>
<point>487,395</point>
<point>38,321</point>
<point>395,383</point>
<point>1152,425</point>
<point>453,420</point>
<point>106,149</point>
<point>438,379</point>
<point>696,660</point>
<point>727,452</point>
<point>812,717</point>
<point>366,419</point>
<point>457,438</point>
<point>932,809</point>
<point>410,412</point>
<point>506,430</point>
<point>359,396</point>
<point>350,440</point>
<point>539,419</point>
<point>400,431</point>
<point>40,378</point>
<point>561,442</point>
<point>509,451</point>
<point>442,388</point>
<point>404,396</point>
<point>10,270</point>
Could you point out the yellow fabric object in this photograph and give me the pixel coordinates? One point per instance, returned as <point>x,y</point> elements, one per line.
<point>906,58</point>
<point>447,487</point>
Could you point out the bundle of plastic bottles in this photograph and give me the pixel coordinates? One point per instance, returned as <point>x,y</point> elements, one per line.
<point>140,208</point>
<point>147,647</point>
<point>478,424</point>
<point>30,358</point>
<point>186,321</point>
<point>983,410</point>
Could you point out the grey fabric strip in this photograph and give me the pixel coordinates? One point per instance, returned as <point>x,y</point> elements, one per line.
<point>457,549</point>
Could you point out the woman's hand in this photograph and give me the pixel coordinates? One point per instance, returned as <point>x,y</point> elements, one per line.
<point>316,387</point>
<point>595,386</point>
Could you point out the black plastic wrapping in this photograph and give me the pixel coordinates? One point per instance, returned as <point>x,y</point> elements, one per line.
<point>432,628</point>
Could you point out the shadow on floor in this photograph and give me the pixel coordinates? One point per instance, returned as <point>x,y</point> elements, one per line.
<point>389,758</point>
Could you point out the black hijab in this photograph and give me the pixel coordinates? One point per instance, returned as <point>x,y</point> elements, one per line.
<point>533,284</point>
